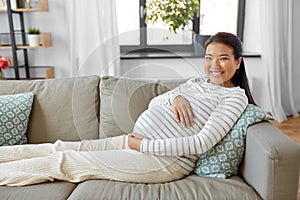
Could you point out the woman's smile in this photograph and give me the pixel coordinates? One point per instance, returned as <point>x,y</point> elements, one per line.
<point>216,73</point>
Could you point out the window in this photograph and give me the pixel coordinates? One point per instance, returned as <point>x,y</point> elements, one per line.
<point>214,16</point>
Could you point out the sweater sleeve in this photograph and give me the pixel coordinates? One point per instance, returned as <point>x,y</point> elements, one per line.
<point>217,126</point>
<point>168,97</point>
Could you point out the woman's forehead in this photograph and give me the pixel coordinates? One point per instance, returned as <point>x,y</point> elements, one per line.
<point>219,48</point>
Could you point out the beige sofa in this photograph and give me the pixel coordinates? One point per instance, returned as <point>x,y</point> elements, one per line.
<point>72,109</point>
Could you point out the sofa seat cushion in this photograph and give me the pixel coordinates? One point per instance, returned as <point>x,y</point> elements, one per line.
<point>191,187</point>
<point>54,190</point>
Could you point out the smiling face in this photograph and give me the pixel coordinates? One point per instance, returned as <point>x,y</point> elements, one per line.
<point>220,64</point>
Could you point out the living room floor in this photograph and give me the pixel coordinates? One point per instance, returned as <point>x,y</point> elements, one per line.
<point>292,129</point>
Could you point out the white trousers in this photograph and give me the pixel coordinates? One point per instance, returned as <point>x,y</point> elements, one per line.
<point>78,161</point>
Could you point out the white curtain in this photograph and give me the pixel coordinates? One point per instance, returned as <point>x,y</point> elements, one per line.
<point>93,42</point>
<point>277,55</point>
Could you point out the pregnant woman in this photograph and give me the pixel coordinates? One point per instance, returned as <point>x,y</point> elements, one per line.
<point>166,141</point>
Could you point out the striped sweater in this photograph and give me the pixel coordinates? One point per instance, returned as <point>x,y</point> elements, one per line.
<point>215,109</point>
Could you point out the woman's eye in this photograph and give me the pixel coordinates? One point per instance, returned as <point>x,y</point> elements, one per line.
<point>207,58</point>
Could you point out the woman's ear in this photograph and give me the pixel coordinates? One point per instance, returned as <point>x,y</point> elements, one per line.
<point>238,62</point>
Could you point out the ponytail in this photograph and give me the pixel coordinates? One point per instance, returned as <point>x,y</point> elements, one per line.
<point>240,79</point>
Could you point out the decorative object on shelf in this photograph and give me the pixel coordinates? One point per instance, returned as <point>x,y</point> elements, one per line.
<point>34,37</point>
<point>35,3</point>
<point>3,4</point>
<point>175,14</point>
<point>13,4</point>
<point>5,62</point>
<point>27,4</point>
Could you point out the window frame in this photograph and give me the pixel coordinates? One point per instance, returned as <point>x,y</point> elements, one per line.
<point>144,48</point>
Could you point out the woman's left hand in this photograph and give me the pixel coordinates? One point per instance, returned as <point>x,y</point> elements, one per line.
<point>134,141</point>
<point>182,111</point>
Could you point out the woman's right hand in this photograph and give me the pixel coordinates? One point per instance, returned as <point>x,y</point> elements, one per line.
<point>182,111</point>
<point>134,141</point>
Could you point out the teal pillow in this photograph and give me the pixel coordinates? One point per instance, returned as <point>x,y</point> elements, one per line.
<point>223,160</point>
<point>14,116</point>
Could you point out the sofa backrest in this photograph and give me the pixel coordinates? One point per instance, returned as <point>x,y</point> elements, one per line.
<point>66,109</point>
<point>124,99</point>
<point>70,109</point>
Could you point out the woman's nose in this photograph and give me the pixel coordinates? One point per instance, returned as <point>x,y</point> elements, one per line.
<point>215,62</point>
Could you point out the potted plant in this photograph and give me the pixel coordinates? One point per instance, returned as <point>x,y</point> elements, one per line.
<point>34,37</point>
<point>176,14</point>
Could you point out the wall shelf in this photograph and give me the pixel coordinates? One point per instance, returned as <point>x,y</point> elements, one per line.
<point>46,41</point>
<point>46,38</point>
<point>40,72</point>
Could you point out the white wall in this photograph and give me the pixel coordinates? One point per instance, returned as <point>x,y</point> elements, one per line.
<point>161,68</point>
<point>57,56</point>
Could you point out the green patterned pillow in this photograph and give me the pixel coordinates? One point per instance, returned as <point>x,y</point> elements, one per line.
<point>14,115</point>
<point>224,158</point>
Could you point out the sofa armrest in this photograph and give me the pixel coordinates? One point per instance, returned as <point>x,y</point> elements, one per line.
<point>271,162</point>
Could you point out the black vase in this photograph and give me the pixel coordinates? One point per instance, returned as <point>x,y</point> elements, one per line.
<point>199,41</point>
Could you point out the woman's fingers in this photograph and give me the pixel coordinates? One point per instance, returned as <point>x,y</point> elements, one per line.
<point>176,114</point>
<point>186,118</point>
<point>190,116</point>
<point>182,111</point>
<point>187,122</point>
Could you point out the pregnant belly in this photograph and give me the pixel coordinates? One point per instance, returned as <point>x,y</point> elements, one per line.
<point>158,122</point>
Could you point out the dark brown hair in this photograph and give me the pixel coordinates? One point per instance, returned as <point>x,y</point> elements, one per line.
<point>240,77</point>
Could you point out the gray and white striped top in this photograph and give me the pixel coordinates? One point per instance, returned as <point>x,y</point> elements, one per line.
<point>215,109</point>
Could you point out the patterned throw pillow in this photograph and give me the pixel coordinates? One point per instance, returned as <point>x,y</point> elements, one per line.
<point>223,159</point>
<point>14,115</point>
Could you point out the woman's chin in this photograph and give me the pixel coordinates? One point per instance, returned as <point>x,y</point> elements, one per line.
<point>218,81</point>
